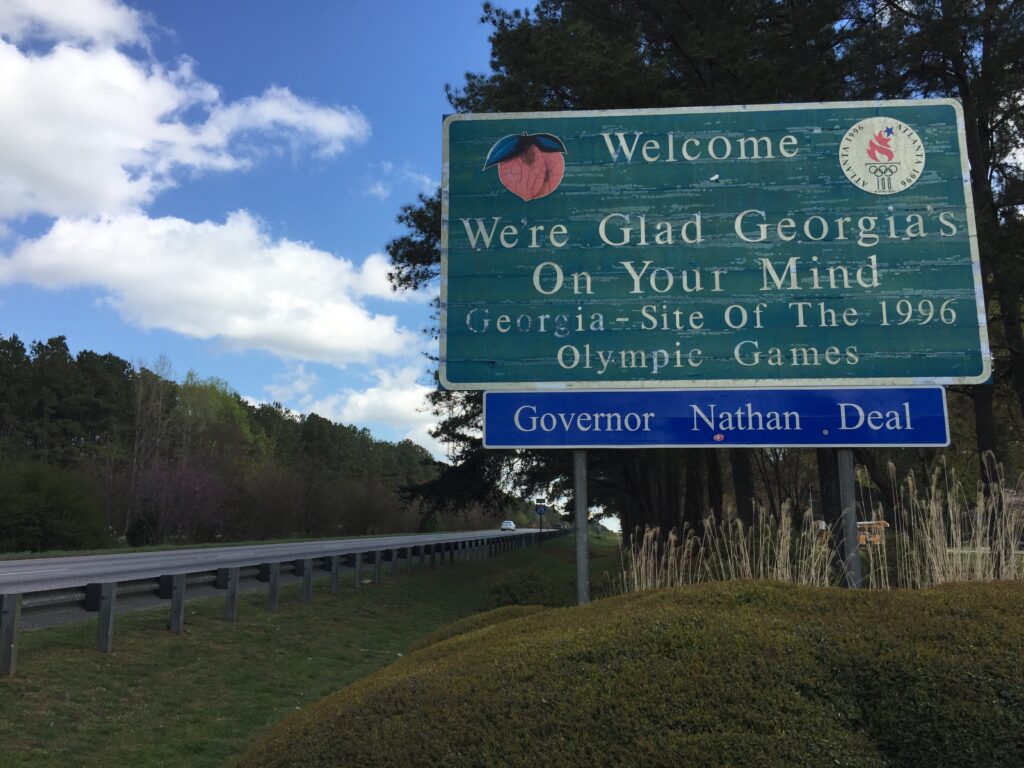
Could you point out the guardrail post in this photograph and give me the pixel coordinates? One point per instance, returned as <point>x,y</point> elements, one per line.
<point>307,581</point>
<point>394,563</point>
<point>376,567</point>
<point>422,552</point>
<point>433,555</point>
<point>105,631</point>
<point>451,552</point>
<point>357,563</point>
<point>92,597</point>
<point>164,590</point>
<point>10,617</point>
<point>273,585</point>
<point>408,559</point>
<point>178,603</point>
<point>231,598</point>
<point>334,573</point>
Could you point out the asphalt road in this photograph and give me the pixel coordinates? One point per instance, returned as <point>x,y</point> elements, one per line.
<point>38,575</point>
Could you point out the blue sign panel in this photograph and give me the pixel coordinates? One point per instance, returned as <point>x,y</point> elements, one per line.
<point>848,417</point>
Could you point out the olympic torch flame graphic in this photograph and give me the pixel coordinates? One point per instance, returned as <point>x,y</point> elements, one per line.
<point>879,149</point>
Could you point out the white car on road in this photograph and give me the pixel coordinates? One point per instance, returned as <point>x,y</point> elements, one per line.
<point>508,525</point>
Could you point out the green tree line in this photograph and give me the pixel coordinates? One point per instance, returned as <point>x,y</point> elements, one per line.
<point>94,450</point>
<point>619,54</point>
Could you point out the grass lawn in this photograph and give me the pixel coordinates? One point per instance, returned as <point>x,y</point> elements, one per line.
<point>196,700</point>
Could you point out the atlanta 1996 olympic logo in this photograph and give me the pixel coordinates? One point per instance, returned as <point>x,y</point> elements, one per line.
<point>881,155</point>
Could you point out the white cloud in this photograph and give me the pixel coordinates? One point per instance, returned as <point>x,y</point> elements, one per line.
<point>84,21</point>
<point>227,281</point>
<point>379,190</point>
<point>296,384</point>
<point>327,130</point>
<point>389,175</point>
<point>425,183</point>
<point>373,280</point>
<point>397,400</point>
<point>91,130</point>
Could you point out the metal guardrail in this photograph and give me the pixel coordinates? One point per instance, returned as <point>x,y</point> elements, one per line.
<point>224,568</point>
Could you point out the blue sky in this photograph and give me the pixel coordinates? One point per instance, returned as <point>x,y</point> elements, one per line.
<point>215,182</point>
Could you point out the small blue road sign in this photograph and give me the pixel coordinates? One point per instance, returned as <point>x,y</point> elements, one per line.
<point>721,418</point>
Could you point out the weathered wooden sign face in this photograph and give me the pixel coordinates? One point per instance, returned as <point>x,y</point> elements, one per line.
<point>740,246</point>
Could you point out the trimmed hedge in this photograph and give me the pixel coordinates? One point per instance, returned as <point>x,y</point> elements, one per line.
<point>480,621</point>
<point>727,674</point>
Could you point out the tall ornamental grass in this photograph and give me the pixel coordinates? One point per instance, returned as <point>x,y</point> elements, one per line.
<point>942,536</point>
<point>776,547</point>
<point>937,535</point>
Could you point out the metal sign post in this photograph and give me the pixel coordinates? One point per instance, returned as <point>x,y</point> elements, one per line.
<point>849,546</point>
<point>541,508</point>
<point>579,473</point>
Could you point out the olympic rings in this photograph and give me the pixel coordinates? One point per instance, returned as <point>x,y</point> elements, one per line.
<point>883,170</point>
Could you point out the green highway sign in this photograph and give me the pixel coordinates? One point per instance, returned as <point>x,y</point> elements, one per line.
<point>811,244</point>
